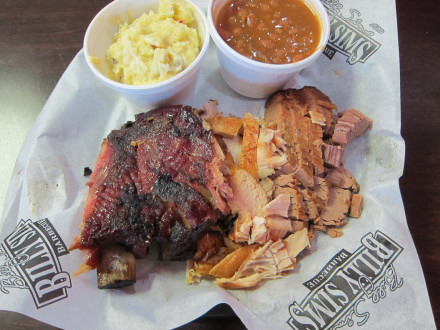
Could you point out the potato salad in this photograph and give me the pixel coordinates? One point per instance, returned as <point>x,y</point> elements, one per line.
<point>155,46</point>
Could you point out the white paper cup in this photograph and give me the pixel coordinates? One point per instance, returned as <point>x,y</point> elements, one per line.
<point>257,79</point>
<point>99,37</point>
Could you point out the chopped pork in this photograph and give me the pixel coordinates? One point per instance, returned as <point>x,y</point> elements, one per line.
<point>288,182</point>
<point>332,155</point>
<point>351,124</point>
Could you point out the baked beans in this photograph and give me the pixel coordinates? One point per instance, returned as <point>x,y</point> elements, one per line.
<point>270,31</point>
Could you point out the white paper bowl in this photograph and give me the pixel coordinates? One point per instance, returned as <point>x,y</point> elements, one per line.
<point>99,37</point>
<point>257,79</point>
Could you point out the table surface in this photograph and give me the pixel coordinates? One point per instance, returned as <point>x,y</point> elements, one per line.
<point>36,49</point>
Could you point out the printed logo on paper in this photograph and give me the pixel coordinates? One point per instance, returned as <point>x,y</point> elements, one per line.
<point>348,35</point>
<point>29,260</point>
<point>338,292</point>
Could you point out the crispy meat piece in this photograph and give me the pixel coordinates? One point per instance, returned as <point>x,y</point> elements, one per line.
<point>356,206</point>
<point>351,124</point>
<point>337,207</point>
<point>332,155</point>
<point>225,126</point>
<point>117,268</point>
<point>342,177</point>
<point>249,145</point>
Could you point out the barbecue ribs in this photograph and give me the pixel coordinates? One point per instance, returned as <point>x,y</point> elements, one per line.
<point>159,177</point>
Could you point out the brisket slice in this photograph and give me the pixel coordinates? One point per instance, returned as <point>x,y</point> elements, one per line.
<point>293,111</point>
<point>150,182</point>
<point>322,188</point>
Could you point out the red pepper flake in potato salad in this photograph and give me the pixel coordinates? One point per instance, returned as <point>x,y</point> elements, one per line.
<point>155,46</point>
<point>270,31</point>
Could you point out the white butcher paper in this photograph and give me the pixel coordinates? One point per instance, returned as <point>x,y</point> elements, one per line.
<point>48,182</point>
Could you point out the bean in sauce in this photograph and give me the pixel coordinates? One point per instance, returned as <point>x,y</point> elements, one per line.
<point>270,31</point>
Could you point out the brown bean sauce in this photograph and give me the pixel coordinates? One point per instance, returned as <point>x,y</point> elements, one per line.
<point>270,31</point>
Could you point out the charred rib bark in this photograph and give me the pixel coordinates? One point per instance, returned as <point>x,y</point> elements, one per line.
<point>154,179</point>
